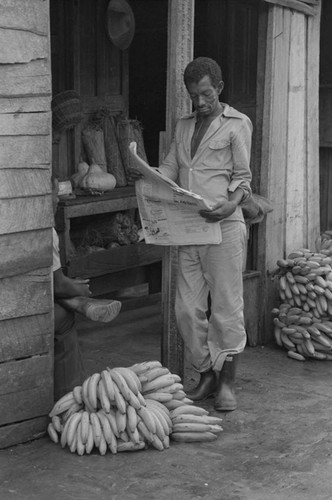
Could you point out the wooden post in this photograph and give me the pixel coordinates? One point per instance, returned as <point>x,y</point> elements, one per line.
<point>180,53</point>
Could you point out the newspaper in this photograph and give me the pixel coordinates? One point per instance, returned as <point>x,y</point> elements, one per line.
<point>169,214</point>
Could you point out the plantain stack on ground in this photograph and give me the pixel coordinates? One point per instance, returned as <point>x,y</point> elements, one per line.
<point>303,321</point>
<point>129,409</point>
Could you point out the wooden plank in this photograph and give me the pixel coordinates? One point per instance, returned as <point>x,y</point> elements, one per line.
<point>25,151</point>
<point>22,183</point>
<point>25,123</point>
<point>24,104</point>
<point>25,251</point>
<point>26,79</point>
<point>19,47</point>
<point>26,388</point>
<point>179,53</point>
<point>273,177</point>
<point>25,214</point>
<point>25,337</point>
<point>115,260</point>
<point>26,295</point>
<point>29,16</point>
<point>23,432</point>
<point>312,131</point>
<point>295,5</point>
<point>296,189</point>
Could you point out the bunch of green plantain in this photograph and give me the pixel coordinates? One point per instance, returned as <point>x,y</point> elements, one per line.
<point>125,409</point>
<point>302,323</point>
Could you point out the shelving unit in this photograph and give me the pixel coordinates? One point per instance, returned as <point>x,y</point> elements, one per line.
<point>112,269</point>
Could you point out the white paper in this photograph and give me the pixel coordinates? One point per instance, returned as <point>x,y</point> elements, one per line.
<point>169,214</point>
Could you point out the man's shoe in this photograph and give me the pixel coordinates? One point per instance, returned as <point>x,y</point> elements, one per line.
<point>205,388</point>
<point>102,310</point>
<point>225,399</point>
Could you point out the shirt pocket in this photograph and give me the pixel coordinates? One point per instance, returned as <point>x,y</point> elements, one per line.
<point>218,155</point>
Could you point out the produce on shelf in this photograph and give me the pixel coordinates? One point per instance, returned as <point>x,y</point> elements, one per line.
<point>303,321</point>
<point>128,409</point>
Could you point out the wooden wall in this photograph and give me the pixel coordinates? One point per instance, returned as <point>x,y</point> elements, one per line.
<point>290,143</point>
<point>26,321</point>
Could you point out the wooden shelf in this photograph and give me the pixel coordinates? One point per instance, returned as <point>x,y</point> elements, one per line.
<point>104,263</point>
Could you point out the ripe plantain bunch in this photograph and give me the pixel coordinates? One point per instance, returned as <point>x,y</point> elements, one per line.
<point>126,409</point>
<point>303,321</point>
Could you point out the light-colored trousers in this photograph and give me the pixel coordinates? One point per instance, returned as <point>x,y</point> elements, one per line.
<point>216,269</point>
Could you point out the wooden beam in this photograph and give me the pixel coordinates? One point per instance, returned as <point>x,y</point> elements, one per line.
<point>295,5</point>
<point>180,53</point>
<point>312,120</point>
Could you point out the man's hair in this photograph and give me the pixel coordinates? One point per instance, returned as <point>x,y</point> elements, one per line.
<point>200,67</point>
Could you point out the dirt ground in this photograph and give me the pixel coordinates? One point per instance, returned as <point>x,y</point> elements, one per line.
<point>276,446</point>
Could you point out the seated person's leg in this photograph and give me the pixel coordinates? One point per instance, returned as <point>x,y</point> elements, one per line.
<point>68,365</point>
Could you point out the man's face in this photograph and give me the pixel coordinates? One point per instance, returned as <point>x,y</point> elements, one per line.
<point>204,96</point>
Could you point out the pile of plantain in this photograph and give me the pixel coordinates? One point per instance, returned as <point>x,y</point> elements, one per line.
<point>303,321</point>
<point>127,409</point>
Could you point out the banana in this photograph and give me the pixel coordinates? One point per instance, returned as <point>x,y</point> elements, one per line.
<point>141,368</point>
<point>134,400</point>
<point>159,427</point>
<point>96,429</point>
<point>80,446</point>
<point>124,436</point>
<point>56,422</point>
<point>310,348</point>
<point>131,418</point>
<point>121,420</point>
<point>162,409</point>
<point>77,393</point>
<point>141,399</point>
<point>63,438</point>
<point>103,396</point>
<point>85,396</point>
<point>156,372</point>
<point>282,283</point>
<point>187,409</point>
<point>72,427</point>
<point>166,442</point>
<point>163,422</point>
<point>163,397</point>
<point>157,442</point>
<point>286,342</point>
<point>216,429</point>
<point>90,441</point>
<point>187,401</point>
<point>323,328</point>
<point>75,407</point>
<point>144,431</point>
<point>191,427</point>
<point>277,336</point>
<point>179,395</point>
<point>191,437</point>
<point>62,404</point>
<point>108,383</point>
<point>112,420</point>
<point>131,378</point>
<point>130,446</point>
<point>85,426</point>
<point>106,427</point>
<point>120,402</point>
<point>52,433</point>
<point>174,403</point>
<point>121,383</point>
<point>73,445</point>
<point>176,377</point>
<point>134,436</point>
<point>92,389</point>
<point>147,418</point>
<point>157,384</point>
<point>196,419</point>
<point>102,445</point>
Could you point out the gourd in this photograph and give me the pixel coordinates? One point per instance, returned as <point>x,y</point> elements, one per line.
<point>82,170</point>
<point>97,180</point>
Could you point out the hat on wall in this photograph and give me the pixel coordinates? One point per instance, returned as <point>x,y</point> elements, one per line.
<point>120,23</point>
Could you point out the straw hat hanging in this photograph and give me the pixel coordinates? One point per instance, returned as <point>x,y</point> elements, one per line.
<point>120,23</point>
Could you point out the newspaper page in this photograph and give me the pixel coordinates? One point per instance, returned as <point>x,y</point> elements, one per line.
<point>169,214</point>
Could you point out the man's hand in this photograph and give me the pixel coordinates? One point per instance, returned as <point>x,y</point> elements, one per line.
<point>134,175</point>
<point>219,212</point>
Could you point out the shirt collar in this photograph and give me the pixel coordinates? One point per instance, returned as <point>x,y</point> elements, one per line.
<point>228,111</point>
